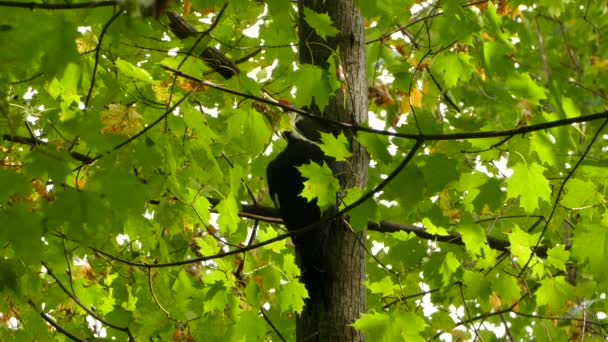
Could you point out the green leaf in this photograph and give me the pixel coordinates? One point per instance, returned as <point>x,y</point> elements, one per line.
<point>558,256</point>
<point>321,184</point>
<point>385,287</point>
<point>337,148</point>
<point>268,234</point>
<point>289,266</point>
<point>448,267</point>
<point>320,22</point>
<point>441,320</point>
<point>521,243</point>
<point>8,275</point>
<point>377,325</point>
<point>131,303</point>
<point>473,237</point>
<point>201,205</point>
<point>529,184</point>
<point>363,213</point>
<point>106,303</point>
<point>376,145</point>
<point>236,173</point>
<point>248,130</point>
<point>590,244</point>
<point>410,179</point>
<point>217,302</point>
<point>433,229</point>
<point>554,293</point>
<point>453,67</point>
<point>412,324</point>
<point>207,245</point>
<point>134,72</point>
<point>570,108</point>
<point>580,193</point>
<point>22,230</point>
<point>396,326</point>
<point>507,289</point>
<point>437,181</point>
<point>292,297</point>
<point>48,162</point>
<point>229,214</point>
<point>544,148</point>
<point>312,83</point>
<point>522,85</point>
<point>478,286</point>
<point>385,10</point>
<point>12,183</point>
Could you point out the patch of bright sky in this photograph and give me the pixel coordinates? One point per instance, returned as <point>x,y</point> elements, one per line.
<point>78,261</point>
<point>417,8</point>
<point>206,20</point>
<point>388,204</point>
<point>29,94</point>
<point>12,323</point>
<point>97,327</point>
<point>173,52</point>
<point>378,246</point>
<point>212,112</point>
<point>122,239</point>
<point>84,29</point>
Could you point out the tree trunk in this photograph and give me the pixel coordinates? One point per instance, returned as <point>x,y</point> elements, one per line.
<point>337,299</point>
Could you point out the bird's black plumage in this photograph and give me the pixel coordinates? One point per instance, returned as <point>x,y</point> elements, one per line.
<point>285,183</point>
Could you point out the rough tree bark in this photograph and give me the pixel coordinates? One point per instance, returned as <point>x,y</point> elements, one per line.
<point>340,295</point>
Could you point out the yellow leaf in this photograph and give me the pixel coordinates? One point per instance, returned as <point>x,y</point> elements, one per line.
<point>416,96</point>
<point>118,119</point>
<point>495,301</point>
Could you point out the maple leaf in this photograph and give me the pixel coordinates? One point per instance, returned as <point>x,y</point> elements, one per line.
<point>321,184</point>
<point>335,147</point>
<point>320,22</point>
<point>119,119</point>
<point>529,184</point>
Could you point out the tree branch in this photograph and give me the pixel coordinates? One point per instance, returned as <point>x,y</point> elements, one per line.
<point>97,52</point>
<point>426,137</point>
<point>453,238</point>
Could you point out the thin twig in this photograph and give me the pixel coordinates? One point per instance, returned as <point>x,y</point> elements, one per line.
<point>271,324</point>
<point>97,52</point>
<point>49,271</point>
<point>560,191</point>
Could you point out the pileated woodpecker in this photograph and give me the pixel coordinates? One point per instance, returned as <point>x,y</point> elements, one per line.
<point>285,183</point>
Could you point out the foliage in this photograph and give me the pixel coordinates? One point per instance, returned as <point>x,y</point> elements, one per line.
<point>122,179</point>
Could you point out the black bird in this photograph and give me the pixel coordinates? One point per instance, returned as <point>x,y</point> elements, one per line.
<point>285,183</point>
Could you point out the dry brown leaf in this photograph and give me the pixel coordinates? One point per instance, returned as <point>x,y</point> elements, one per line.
<point>380,95</point>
